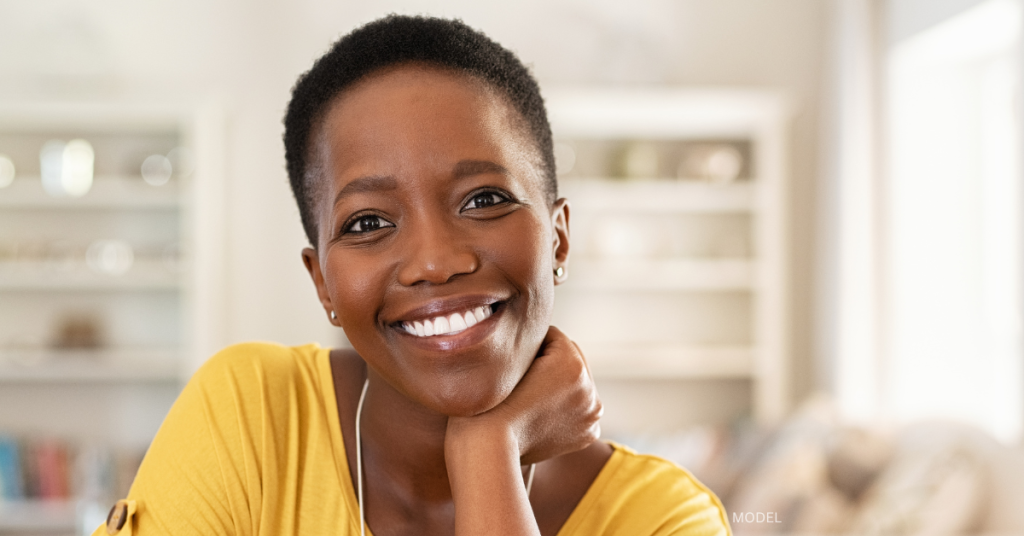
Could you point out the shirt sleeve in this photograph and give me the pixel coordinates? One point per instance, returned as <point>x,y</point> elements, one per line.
<point>650,496</point>
<point>199,472</point>
<point>699,515</point>
<point>687,508</point>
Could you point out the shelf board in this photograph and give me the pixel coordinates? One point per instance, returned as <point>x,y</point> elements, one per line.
<point>38,516</point>
<point>89,366</point>
<point>654,195</point>
<point>145,274</point>
<point>650,361</point>
<point>673,274</point>
<point>106,193</point>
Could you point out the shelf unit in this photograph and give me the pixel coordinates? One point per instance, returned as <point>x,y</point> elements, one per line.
<point>112,192</point>
<point>156,321</point>
<point>38,517</point>
<point>676,278</point>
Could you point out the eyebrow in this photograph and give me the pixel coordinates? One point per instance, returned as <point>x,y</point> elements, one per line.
<point>379,183</point>
<point>371,183</point>
<point>466,168</point>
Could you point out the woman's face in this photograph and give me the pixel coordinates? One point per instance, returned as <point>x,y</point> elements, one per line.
<point>434,217</point>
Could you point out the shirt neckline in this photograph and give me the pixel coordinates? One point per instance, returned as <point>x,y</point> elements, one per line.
<point>579,512</point>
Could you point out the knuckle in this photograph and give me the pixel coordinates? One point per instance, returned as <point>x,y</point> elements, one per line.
<point>597,409</point>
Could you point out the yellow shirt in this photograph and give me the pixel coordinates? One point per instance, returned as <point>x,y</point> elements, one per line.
<point>253,447</point>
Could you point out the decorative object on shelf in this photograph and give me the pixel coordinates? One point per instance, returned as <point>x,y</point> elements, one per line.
<point>67,168</point>
<point>633,236</point>
<point>639,160</point>
<point>157,170</point>
<point>78,332</point>
<point>719,163</point>
<point>7,171</point>
<point>112,257</point>
<point>565,158</point>
<point>182,161</point>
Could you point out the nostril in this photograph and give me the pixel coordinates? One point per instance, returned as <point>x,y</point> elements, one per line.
<point>435,265</point>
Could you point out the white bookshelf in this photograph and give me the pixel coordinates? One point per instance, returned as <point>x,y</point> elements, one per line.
<point>107,193</point>
<point>671,276</point>
<point>38,517</point>
<point>659,195</point>
<point>91,366</point>
<point>639,361</point>
<point>158,320</point>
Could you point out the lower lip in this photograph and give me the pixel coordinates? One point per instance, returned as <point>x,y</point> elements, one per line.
<point>454,341</point>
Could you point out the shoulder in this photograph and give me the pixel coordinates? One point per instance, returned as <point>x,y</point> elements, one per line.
<point>664,498</point>
<point>241,417</point>
<point>255,380</point>
<point>258,361</point>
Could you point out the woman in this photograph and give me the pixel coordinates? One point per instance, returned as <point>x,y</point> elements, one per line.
<point>421,159</point>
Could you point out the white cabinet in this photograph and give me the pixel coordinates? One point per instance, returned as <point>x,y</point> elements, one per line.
<point>109,299</point>
<point>678,262</point>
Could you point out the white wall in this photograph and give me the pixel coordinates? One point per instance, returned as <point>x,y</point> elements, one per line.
<point>905,18</point>
<point>248,54</point>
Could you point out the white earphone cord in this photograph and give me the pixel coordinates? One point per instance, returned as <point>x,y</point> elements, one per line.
<point>359,463</point>
<point>359,459</point>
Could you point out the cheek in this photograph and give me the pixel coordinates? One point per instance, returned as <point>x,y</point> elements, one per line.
<point>356,285</point>
<point>525,255</point>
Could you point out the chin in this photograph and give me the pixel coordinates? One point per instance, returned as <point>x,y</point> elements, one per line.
<point>470,394</point>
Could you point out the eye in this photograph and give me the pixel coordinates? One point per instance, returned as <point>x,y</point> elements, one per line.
<point>485,199</point>
<point>367,223</point>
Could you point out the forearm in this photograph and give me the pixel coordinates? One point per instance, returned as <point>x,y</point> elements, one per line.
<point>487,484</point>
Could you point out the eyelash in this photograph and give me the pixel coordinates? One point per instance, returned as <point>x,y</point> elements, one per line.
<point>348,227</point>
<point>502,199</point>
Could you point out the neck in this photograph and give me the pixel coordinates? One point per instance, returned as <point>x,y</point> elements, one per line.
<point>403,444</point>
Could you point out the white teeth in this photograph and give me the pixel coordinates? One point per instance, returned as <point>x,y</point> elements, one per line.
<point>443,325</point>
<point>458,322</point>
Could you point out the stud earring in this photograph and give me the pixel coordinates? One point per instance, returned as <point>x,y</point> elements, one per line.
<point>559,272</point>
<point>334,315</point>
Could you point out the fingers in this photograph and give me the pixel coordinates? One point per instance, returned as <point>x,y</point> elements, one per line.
<point>583,357</point>
<point>553,338</point>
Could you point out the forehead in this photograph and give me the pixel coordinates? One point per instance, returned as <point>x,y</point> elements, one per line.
<point>412,122</point>
<point>415,106</point>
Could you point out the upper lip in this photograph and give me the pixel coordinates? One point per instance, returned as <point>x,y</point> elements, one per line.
<point>445,306</point>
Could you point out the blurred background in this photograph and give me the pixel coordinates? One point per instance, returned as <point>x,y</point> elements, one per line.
<point>796,263</point>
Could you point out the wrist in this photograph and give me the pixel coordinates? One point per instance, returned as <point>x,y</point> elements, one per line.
<point>473,434</point>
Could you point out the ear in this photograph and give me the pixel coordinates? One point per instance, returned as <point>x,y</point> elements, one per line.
<point>311,259</point>
<point>560,239</point>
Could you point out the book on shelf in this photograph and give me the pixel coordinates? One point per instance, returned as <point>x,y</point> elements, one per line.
<point>12,486</point>
<point>51,469</point>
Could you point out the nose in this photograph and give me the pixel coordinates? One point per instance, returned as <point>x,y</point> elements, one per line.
<point>436,254</point>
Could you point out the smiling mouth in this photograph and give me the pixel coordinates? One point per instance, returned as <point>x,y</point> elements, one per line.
<point>449,324</point>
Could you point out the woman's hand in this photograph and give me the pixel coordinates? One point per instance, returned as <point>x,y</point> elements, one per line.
<point>553,410</point>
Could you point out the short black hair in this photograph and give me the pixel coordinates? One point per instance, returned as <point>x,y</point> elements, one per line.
<point>392,40</point>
